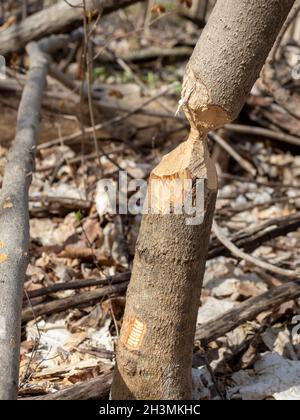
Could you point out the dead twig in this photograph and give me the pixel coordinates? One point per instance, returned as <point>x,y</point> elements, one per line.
<point>250,206</point>
<point>79,284</point>
<point>247,166</point>
<point>56,203</point>
<point>82,300</point>
<point>112,121</point>
<point>249,258</point>
<point>251,238</point>
<point>263,132</point>
<point>88,63</point>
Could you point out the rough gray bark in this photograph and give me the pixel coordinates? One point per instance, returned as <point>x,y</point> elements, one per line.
<point>14,217</point>
<point>154,356</point>
<point>55,19</point>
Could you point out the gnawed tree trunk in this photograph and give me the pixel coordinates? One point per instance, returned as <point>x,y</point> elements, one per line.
<point>154,356</point>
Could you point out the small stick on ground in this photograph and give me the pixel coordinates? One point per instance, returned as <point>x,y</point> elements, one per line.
<point>263,132</point>
<point>79,284</point>
<point>249,258</point>
<point>82,300</point>
<point>253,237</point>
<point>247,166</point>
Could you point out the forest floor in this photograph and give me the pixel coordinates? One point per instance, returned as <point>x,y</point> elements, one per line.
<point>69,335</point>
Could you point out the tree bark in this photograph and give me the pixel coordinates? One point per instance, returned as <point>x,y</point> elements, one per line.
<point>14,224</point>
<point>58,18</point>
<point>14,218</point>
<point>154,356</point>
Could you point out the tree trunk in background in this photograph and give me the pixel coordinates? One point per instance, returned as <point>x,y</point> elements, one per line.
<point>14,224</point>
<point>199,9</point>
<point>14,214</point>
<point>154,357</point>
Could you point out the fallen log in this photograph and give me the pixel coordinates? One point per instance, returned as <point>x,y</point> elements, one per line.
<point>95,389</point>
<point>57,203</point>
<point>148,55</point>
<point>59,18</point>
<point>247,311</point>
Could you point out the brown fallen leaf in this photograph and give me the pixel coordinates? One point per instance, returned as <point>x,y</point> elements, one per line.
<point>89,254</point>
